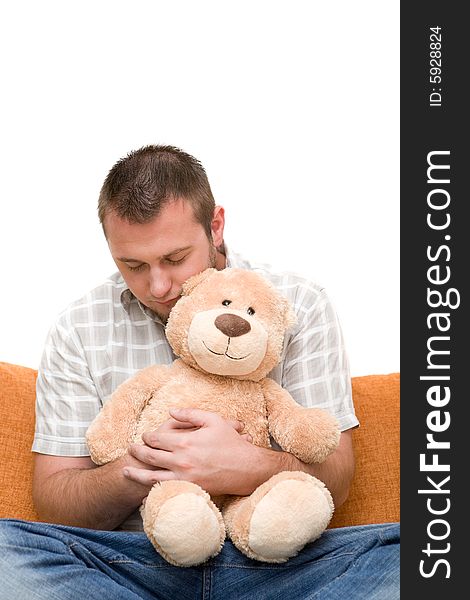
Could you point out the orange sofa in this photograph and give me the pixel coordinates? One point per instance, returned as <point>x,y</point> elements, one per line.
<point>374,495</point>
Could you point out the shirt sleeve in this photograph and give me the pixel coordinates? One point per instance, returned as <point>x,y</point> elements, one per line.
<point>315,367</point>
<point>66,398</point>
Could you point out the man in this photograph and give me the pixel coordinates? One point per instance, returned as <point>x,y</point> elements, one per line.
<point>162,226</point>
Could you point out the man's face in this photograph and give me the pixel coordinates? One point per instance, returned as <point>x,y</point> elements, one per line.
<point>156,258</point>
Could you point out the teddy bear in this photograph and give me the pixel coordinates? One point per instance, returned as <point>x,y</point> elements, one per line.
<point>227,330</point>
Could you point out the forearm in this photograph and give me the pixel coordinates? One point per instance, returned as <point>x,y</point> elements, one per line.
<point>215,456</point>
<point>96,498</point>
<point>336,471</point>
<point>334,474</point>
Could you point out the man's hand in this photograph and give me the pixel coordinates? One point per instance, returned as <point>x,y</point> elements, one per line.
<point>197,446</point>
<point>203,448</point>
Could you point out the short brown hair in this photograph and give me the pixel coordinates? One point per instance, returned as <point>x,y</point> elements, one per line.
<point>141,183</point>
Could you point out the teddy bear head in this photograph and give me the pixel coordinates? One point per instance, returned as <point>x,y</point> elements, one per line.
<point>230,322</point>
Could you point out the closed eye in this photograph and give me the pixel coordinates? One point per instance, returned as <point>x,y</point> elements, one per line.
<point>175,262</point>
<point>138,268</point>
<point>168,261</point>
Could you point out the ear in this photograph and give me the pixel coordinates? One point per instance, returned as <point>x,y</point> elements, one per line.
<point>195,280</point>
<point>217,226</point>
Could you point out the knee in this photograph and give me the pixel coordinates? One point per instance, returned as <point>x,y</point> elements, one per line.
<point>17,536</point>
<point>20,549</point>
<point>389,534</point>
<point>10,532</point>
<point>12,554</point>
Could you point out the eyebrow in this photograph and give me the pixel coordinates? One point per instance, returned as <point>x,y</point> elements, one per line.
<point>172,253</point>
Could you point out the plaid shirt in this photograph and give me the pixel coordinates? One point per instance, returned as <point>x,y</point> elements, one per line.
<point>105,337</point>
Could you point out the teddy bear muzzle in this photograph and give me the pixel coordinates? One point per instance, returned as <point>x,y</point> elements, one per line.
<point>232,325</point>
<point>226,343</point>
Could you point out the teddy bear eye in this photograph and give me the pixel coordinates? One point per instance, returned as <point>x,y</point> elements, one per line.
<point>226,302</point>
<point>250,311</point>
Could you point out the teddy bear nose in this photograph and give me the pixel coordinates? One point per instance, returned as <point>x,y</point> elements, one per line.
<point>232,325</point>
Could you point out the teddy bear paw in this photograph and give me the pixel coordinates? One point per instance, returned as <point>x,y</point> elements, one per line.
<point>182,523</point>
<point>295,511</point>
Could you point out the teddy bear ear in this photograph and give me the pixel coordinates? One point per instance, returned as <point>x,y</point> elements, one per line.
<point>195,280</point>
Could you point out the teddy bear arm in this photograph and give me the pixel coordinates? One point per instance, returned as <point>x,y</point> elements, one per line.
<point>113,429</point>
<point>310,434</point>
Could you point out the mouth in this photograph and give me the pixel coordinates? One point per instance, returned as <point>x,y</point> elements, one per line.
<point>226,352</point>
<point>167,302</point>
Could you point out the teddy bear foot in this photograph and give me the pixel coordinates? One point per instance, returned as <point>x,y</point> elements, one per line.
<point>288,511</point>
<point>182,523</point>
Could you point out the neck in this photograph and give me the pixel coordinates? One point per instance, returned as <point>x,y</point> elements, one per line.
<point>220,261</point>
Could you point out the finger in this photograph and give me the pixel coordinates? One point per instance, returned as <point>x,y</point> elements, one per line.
<point>172,424</point>
<point>196,416</point>
<point>146,477</point>
<point>237,425</point>
<point>157,439</point>
<point>247,437</point>
<point>149,456</point>
<point>168,440</point>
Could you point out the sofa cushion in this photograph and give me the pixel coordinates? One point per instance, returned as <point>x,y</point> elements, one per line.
<point>17,396</point>
<point>374,495</point>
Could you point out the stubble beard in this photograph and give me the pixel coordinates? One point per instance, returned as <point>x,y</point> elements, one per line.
<point>211,264</point>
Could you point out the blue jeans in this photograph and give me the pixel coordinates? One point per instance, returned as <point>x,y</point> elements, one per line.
<point>55,562</point>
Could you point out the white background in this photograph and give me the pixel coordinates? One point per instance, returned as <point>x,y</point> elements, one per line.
<point>292,107</point>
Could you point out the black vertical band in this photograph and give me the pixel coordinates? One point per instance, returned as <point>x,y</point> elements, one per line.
<point>435,353</point>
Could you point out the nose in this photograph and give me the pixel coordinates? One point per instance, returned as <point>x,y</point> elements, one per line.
<point>232,325</point>
<point>159,284</point>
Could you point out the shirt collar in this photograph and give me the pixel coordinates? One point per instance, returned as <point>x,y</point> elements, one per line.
<point>235,261</point>
<point>126,298</point>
